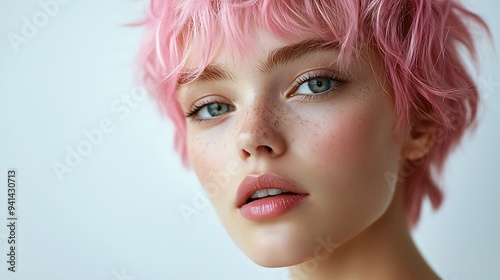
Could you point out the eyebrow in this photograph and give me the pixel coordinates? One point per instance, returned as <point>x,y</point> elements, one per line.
<point>281,56</point>
<point>293,52</point>
<point>212,72</point>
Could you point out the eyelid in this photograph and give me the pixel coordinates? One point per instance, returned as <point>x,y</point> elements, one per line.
<point>202,102</point>
<point>312,74</point>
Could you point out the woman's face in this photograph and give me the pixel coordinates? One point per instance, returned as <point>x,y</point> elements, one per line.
<point>288,118</point>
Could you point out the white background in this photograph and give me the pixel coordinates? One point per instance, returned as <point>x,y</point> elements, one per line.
<point>116,215</point>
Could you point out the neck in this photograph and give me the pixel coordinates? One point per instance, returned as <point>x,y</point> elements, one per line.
<point>383,251</point>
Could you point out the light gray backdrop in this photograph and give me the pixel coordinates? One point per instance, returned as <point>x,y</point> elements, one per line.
<point>114,213</point>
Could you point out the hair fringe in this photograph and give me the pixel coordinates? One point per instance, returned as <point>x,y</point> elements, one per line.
<point>419,41</point>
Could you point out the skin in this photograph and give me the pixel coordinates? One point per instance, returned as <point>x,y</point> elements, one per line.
<point>338,147</point>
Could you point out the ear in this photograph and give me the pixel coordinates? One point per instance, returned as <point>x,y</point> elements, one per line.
<point>419,140</point>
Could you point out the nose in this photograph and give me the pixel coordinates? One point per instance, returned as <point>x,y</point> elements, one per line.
<point>261,134</point>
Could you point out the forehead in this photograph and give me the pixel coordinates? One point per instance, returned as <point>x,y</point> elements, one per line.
<point>238,30</point>
<point>267,51</point>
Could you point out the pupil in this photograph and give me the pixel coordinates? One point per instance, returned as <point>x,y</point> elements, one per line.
<point>216,109</point>
<point>319,85</point>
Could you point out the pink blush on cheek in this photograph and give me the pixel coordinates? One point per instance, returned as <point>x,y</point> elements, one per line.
<point>354,135</point>
<point>346,159</point>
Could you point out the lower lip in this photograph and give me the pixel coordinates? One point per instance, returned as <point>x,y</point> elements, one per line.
<point>271,207</point>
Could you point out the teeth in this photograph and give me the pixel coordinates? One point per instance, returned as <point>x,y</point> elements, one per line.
<point>274,191</point>
<point>267,192</point>
<point>261,193</point>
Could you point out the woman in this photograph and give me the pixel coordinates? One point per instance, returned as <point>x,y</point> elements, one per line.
<point>316,127</point>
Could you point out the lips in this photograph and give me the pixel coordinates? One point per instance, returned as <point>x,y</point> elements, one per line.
<point>272,206</point>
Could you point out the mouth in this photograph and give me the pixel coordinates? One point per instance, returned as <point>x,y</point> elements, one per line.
<point>266,196</point>
<point>260,194</point>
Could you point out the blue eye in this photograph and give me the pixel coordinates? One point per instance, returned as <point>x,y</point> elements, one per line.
<point>315,86</point>
<point>211,110</point>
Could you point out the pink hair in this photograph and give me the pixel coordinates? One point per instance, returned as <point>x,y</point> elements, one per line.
<point>419,41</point>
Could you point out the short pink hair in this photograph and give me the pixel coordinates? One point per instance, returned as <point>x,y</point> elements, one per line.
<point>419,41</point>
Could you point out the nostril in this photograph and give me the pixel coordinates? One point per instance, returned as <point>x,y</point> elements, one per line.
<point>246,153</point>
<point>265,148</point>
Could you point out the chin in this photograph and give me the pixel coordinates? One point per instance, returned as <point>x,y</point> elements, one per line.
<point>277,259</point>
<point>271,249</point>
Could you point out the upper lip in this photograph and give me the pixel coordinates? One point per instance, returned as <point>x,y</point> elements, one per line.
<point>268,180</point>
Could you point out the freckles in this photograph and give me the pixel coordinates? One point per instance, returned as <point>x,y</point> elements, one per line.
<point>211,150</point>
<point>327,138</point>
<point>264,118</point>
<point>204,156</point>
<point>201,166</point>
<point>350,137</point>
<point>345,138</point>
<point>210,170</point>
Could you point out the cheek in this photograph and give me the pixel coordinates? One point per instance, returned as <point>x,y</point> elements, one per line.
<point>347,161</point>
<point>211,164</point>
<point>355,136</point>
<point>198,151</point>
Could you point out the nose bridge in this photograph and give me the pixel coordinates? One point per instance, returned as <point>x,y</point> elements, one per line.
<point>260,130</point>
<point>259,115</point>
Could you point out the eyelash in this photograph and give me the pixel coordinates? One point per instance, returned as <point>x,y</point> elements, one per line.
<point>315,75</point>
<point>299,81</point>
<point>197,107</point>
